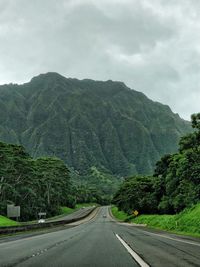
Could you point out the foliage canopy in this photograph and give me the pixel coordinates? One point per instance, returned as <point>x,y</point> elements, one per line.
<point>175,183</point>
<point>36,185</point>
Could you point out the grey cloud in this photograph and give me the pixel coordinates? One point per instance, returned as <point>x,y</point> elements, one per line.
<point>153,46</point>
<point>132,29</point>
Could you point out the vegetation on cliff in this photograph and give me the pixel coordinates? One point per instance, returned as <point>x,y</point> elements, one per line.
<point>89,123</point>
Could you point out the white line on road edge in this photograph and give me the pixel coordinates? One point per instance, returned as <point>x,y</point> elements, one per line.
<point>133,254</point>
<point>165,236</point>
<point>174,239</point>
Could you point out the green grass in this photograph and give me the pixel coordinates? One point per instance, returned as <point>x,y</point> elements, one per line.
<point>120,215</point>
<point>187,222</point>
<point>7,222</point>
<point>66,210</point>
<point>79,206</point>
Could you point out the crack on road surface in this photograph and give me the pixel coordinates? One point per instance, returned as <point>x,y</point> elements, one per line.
<point>24,235</point>
<point>130,247</point>
<point>191,263</point>
<point>39,252</point>
<point>167,244</point>
<point>193,243</point>
<point>184,251</point>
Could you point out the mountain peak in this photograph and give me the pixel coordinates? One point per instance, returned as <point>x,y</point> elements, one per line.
<point>47,76</point>
<point>89,123</point>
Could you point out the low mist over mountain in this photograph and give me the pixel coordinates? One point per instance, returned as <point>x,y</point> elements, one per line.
<point>89,123</point>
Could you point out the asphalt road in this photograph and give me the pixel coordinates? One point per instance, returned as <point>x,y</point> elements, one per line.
<point>101,242</point>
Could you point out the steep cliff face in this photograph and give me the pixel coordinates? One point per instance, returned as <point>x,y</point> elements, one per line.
<point>89,123</point>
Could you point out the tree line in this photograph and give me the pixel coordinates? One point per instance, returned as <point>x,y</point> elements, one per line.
<point>95,186</point>
<point>45,184</point>
<point>40,185</point>
<point>174,185</point>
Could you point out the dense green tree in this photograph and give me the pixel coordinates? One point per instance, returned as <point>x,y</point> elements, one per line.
<point>54,179</point>
<point>96,186</point>
<point>36,185</point>
<point>178,175</point>
<point>137,193</point>
<point>196,121</point>
<point>175,184</point>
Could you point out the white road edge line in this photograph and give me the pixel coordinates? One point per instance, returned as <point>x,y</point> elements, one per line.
<point>168,237</point>
<point>174,239</point>
<point>133,253</point>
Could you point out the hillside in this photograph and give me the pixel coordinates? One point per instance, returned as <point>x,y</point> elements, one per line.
<point>4,221</point>
<point>186,222</point>
<point>89,123</point>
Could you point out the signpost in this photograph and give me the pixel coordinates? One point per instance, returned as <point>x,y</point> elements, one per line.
<point>41,214</point>
<point>13,211</point>
<point>135,212</point>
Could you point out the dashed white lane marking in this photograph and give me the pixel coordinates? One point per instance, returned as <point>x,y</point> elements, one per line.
<point>136,257</point>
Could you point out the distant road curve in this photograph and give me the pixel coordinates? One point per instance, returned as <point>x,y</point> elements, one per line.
<point>74,215</point>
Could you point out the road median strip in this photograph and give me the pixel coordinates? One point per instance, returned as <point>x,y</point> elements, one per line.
<point>28,227</point>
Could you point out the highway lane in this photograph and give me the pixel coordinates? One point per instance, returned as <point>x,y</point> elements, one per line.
<point>161,249</point>
<point>96,243</point>
<point>89,244</point>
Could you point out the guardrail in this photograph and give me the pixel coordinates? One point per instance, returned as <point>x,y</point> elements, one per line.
<point>28,227</point>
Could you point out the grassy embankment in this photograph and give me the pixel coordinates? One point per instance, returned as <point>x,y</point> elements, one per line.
<point>78,206</point>
<point>7,222</point>
<point>66,210</point>
<point>120,215</point>
<point>187,222</point>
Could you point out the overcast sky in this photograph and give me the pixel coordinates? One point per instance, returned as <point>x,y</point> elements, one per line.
<point>151,45</point>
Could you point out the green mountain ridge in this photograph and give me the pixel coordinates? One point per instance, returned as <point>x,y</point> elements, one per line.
<point>89,123</point>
